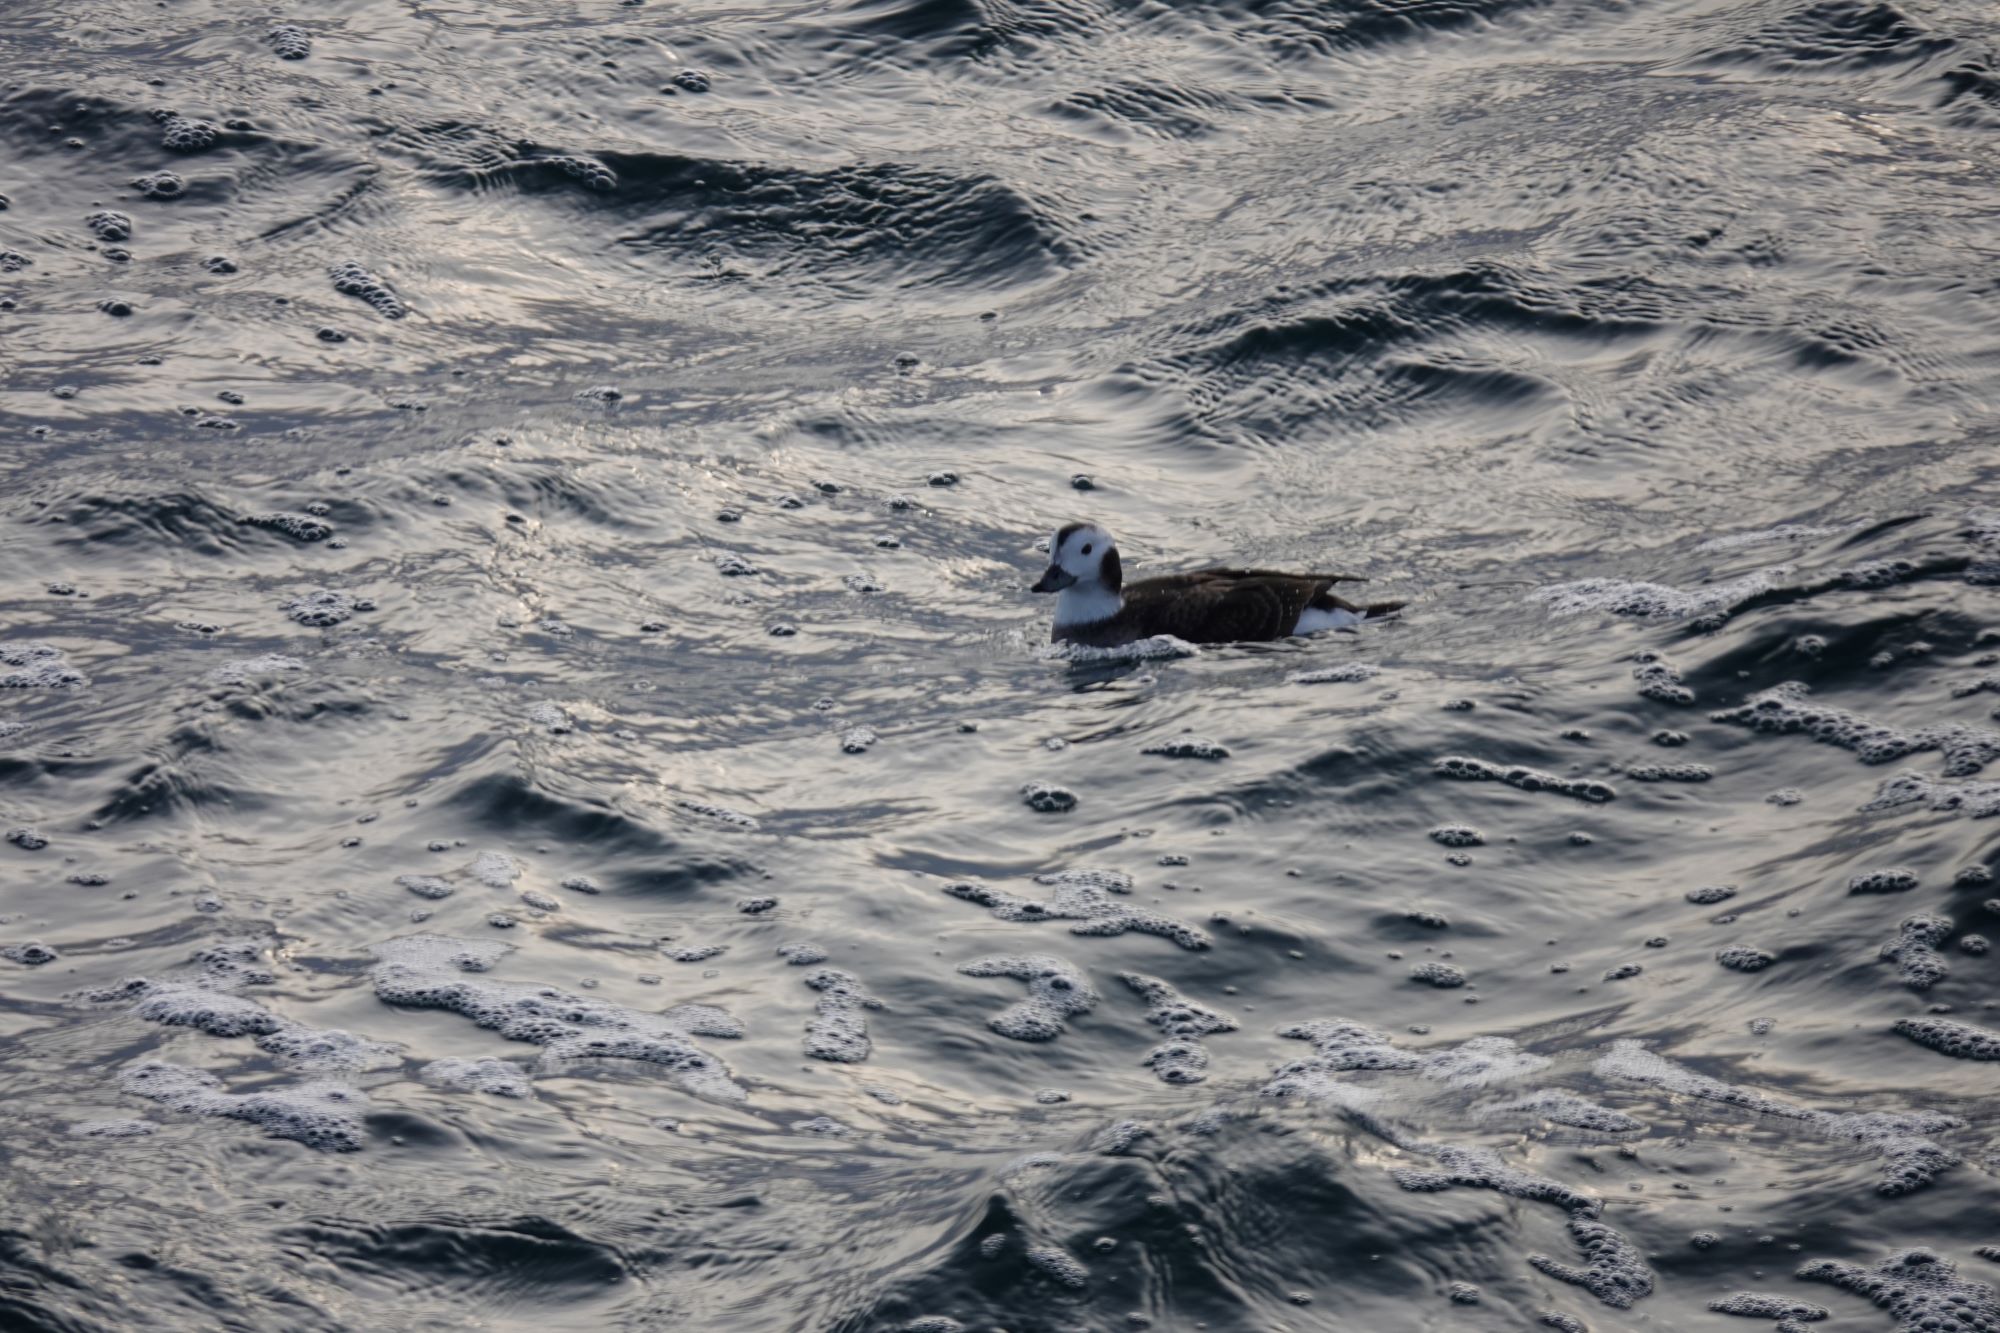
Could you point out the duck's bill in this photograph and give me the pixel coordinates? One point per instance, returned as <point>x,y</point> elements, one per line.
<point>1054,579</point>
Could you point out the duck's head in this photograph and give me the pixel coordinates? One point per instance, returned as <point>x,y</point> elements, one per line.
<point>1080,554</point>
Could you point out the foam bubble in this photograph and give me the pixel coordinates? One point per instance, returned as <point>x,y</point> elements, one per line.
<point>1056,991</point>
<point>802,953</point>
<point>1710,894</point>
<point>721,814</point>
<point>1188,747</point>
<point>1479,1061</point>
<point>1655,601</point>
<point>551,718</point>
<point>1084,897</point>
<point>1562,1323</point>
<point>288,41</point>
<point>1445,976</point>
<point>1896,879</point>
<point>1047,797</point>
<point>1909,1159</point>
<point>1157,648</point>
<point>1962,1041</point>
<point>109,225</point>
<point>496,1078</point>
<point>426,972</point>
<point>1059,1265</point>
<point>1347,673</point>
<point>1614,1271</point>
<point>1915,950</point>
<point>1784,709</point>
<point>1669,772</point>
<point>1565,1108</point>
<point>182,134</point>
<point>1183,1059</point>
<point>425,886</point>
<point>1920,1288</point>
<point>206,1000</point>
<point>322,608</point>
<point>1339,1047</point>
<point>1660,680</point>
<point>244,669</point>
<point>1481,1168</point>
<point>323,1116</point>
<point>495,870</point>
<point>351,278</point>
<point>1758,1305</point>
<point>32,953</point>
<point>33,665</point>
<point>857,740</point>
<point>1744,958</point>
<point>1457,835</point>
<point>586,169</point>
<point>839,1030</point>
<point>1463,769</point>
<point>159,185</point>
<point>1976,800</point>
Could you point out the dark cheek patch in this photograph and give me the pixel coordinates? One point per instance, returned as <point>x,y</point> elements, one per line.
<point>1113,574</point>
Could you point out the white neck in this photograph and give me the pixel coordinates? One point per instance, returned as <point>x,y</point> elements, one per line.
<point>1086,604</point>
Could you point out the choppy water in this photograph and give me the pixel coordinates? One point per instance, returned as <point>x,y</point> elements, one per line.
<point>526,688</point>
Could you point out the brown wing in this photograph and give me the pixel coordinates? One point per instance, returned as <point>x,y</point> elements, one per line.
<point>1222,605</point>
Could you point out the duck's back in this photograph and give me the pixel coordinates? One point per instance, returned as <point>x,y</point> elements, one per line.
<point>1226,605</point>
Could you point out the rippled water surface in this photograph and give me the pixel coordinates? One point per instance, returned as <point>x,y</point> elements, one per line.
<point>522,701</point>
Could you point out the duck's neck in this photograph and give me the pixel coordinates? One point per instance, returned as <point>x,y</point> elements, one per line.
<point>1086,604</point>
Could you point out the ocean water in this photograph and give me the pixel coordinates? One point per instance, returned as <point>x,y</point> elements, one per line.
<point>525,748</point>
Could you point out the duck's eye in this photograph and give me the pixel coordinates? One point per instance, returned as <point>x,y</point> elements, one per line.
<point>1086,548</point>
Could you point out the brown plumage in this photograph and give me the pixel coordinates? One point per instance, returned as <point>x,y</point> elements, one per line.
<point>1201,606</point>
<point>1218,606</point>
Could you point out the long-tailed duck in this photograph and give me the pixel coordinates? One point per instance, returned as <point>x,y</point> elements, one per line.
<point>1097,607</point>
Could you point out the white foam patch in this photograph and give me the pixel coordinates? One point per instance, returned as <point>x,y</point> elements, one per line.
<point>496,1078</point>
<point>1157,648</point>
<point>33,665</point>
<point>324,1116</point>
<point>495,870</point>
<point>206,1000</point>
<point>1566,1108</point>
<point>243,670</point>
<point>431,972</point>
<point>721,814</point>
<point>1977,800</point>
<point>551,718</point>
<point>1056,992</point>
<point>1084,897</point>
<point>1788,708</point>
<point>1655,601</point>
<point>1910,1160</point>
<point>1347,673</point>
<point>1481,1061</point>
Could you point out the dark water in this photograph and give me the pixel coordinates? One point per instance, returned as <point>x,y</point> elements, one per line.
<point>591,567</point>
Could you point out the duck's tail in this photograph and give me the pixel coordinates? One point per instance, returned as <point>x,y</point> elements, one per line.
<point>1376,610</point>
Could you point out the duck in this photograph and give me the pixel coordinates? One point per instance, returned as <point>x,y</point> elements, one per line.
<point>1096,607</point>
